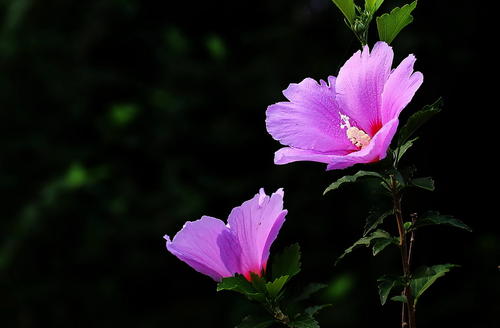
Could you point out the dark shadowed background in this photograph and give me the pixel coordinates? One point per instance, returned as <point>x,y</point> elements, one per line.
<point>121,119</point>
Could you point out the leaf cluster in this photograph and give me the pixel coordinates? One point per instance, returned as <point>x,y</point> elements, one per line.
<point>270,290</point>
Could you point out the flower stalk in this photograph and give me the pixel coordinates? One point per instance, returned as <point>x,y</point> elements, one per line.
<point>408,309</point>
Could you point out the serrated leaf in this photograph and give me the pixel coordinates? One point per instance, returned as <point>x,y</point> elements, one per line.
<point>426,276</point>
<point>304,321</point>
<point>418,119</point>
<point>375,219</point>
<point>373,5</point>
<point>312,310</point>
<point>435,218</point>
<point>347,8</point>
<point>309,290</point>
<point>376,237</point>
<point>401,150</point>
<point>426,183</point>
<point>386,284</point>
<point>351,178</point>
<point>256,322</point>
<point>287,263</point>
<point>390,24</point>
<point>274,288</point>
<point>240,285</point>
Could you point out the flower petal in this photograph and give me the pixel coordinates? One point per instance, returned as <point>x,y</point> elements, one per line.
<point>207,246</point>
<point>375,151</point>
<point>311,120</point>
<point>256,224</point>
<point>360,84</point>
<point>289,154</point>
<point>400,89</point>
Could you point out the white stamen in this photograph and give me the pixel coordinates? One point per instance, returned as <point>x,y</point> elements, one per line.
<point>358,137</point>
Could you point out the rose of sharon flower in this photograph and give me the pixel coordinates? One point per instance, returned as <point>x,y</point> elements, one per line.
<point>352,118</point>
<point>241,246</point>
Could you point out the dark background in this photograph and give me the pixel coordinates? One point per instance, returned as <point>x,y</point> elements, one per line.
<point>121,119</point>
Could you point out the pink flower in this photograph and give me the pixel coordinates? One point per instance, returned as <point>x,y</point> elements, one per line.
<point>352,118</point>
<point>241,246</point>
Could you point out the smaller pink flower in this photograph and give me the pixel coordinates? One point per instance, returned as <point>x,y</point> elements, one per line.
<point>241,246</point>
<point>352,118</point>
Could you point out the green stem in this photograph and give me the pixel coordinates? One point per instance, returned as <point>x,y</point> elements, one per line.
<point>405,252</point>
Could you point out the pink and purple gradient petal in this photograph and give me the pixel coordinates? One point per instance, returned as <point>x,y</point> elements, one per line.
<point>256,224</point>
<point>310,120</point>
<point>352,119</point>
<point>242,246</point>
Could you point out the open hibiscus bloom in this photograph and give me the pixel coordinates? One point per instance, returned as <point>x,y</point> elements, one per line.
<point>352,118</point>
<point>241,246</point>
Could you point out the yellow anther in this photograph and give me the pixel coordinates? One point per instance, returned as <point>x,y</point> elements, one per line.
<point>357,136</point>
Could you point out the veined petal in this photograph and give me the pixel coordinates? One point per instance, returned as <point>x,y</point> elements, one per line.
<point>360,84</point>
<point>375,151</point>
<point>256,224</point>
<point>400,89</point>
<point>310,120</point>
<point>207,246</point>
<point>289,154</point>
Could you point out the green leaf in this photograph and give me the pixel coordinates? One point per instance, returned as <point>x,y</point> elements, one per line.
<point>426,276</point>
<point>304,321</point>
<point>275,287</point>
<point>347,8</point>
<point>426,183</point>
<point>399,298</point>
<point>386,284</point>
<point>390,24</point>
<point>380,244</point>
<point>352,178</point>
<point>418,119</point>
<point>375,219</point>
<point>287,263</point>
<point>256,322</point>
<point>373,5</point>
<point>240,285</point>
<point>313,310</point>
<point>434,218</point>
<point>309,290</point>
<point>379,238</point>
<point>401,150</point>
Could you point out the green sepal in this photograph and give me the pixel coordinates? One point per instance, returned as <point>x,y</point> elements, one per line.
<point>386,284</point>
<point>418,119</point>
<point>240,285</point>
<point>274,288</point>
<point>435,218</point>
<point>287,263</point>
<point>351,179</point>
<point>252,321</point>
<point>347,7</point>
<point>379,239</point>
<point>426,276</point>
<point>390,24</point>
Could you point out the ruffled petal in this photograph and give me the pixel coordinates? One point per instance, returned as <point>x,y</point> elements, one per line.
<point>360,84</point>
<point>288,155</point>
<point>311,120</point>
<point>207,246</point>
<point>256,224</point>
<point>375,151</point>
<point>400,89</point>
